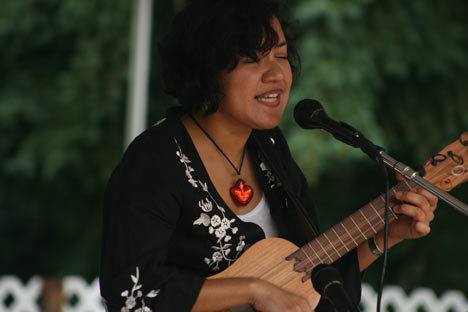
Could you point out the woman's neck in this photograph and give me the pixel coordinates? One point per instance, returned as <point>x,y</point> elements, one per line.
<point>230,134</point>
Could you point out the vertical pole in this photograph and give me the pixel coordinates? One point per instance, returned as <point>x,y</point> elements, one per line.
<point>139,70</point>
<point>53,299</point>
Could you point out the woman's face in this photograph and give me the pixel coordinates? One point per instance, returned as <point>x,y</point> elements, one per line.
<point>256,93</point>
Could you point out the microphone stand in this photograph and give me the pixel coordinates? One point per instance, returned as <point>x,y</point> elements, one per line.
<point>414,176</point>
<point>349,135</point>
<point>329,284</point>
<point>310,114</point>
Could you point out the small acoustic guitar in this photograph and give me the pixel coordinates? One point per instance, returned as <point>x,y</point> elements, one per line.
<point>284,264</point>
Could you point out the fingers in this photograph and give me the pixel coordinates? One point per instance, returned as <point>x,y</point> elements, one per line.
<point>413,198</point>
<point>275,299</point>
<point>399,177</point>
<point>422,228</point>
<point>417,214</point>
<point>301,304</point>
<point>418,196</point>
<point>432,199</point>
<point>420,199</point>
<point>419,206</point>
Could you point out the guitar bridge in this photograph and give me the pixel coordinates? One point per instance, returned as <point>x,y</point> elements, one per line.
<point>302,263</point>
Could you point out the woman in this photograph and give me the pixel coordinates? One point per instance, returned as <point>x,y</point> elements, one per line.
<point>194,191</point>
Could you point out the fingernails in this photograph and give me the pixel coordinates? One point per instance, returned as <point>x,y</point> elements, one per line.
<point>427,229</point>
<point>424,228</point>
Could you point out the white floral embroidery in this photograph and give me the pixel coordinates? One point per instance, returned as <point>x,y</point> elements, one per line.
<point>273,182</point>
<point>205,206</point>
<point>218,224</point>
<point>136,295</point>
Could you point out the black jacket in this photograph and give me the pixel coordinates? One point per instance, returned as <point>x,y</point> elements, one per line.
<point>165,227</point>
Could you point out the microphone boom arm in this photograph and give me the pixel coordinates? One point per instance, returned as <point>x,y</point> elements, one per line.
<point>309,114</point>
<point>349,135</point>
<point>414,176</point>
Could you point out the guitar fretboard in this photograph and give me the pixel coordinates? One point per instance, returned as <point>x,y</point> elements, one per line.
<point>349,233</point>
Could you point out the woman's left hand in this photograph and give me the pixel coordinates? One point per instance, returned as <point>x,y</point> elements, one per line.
<point>415,214</point>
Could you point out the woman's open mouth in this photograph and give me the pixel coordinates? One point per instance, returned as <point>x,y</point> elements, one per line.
<point>271,98</point>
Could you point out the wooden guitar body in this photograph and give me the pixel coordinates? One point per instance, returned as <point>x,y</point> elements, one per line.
<point>266,260</point>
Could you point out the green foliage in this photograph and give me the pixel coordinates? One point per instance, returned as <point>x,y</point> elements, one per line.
<point>62,94</point>
<point>395,70</point>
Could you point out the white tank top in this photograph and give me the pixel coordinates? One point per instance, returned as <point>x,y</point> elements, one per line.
<point>261,215</point>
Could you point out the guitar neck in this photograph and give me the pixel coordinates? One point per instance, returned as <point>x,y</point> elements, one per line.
<point>353,230</point>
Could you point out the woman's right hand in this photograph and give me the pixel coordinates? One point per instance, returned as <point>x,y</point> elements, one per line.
<point>268,297</point>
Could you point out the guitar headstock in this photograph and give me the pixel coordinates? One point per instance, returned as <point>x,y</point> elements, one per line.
<point>449,168</point>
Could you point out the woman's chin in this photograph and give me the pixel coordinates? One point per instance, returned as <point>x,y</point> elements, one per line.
<point>268,123</point>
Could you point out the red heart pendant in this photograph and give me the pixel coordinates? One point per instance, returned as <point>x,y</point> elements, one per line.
<point>241,193</point>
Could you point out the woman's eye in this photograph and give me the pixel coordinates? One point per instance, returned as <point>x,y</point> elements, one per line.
<point>251,60</point>
<point>283,57</point>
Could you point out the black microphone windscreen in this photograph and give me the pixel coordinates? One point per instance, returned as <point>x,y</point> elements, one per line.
<point>328,283</point>
<point>308,113</point>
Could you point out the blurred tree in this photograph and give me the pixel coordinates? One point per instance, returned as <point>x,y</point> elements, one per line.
<point>396,70</point>
<point>62,93</point>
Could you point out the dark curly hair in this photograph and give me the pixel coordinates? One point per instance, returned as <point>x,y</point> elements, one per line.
<point>208,37</point>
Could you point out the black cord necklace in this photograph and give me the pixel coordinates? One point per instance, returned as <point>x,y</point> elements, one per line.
<point>240,192</point>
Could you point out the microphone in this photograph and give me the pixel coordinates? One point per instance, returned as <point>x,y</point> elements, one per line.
<point>329,284</point>
<point>310,114</point>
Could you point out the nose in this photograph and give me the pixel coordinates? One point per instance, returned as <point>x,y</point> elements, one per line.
<point>273,72</point>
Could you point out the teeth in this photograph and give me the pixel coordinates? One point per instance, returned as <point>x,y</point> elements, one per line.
<point>269,98</point>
